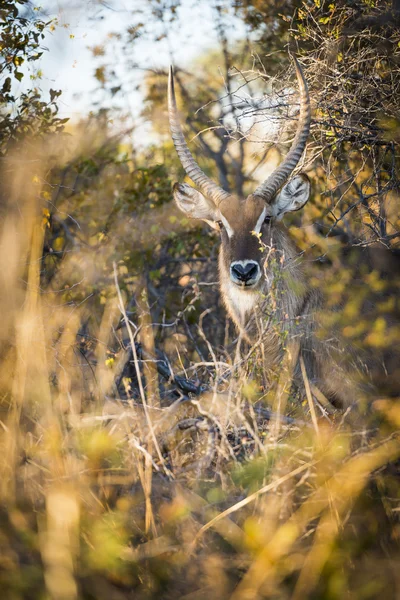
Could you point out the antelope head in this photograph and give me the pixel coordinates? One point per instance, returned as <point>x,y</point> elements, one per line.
<point>247,225</point>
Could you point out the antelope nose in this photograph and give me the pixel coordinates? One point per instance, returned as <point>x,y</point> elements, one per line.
<point>244,271</point>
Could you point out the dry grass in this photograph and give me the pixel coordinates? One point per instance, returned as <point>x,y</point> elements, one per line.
<point>133,497</point>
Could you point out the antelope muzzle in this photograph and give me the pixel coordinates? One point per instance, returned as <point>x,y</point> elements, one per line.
<point>245,273</point>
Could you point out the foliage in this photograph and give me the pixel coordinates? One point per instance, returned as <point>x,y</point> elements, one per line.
<point>115,480</point>
<point>25,113</point>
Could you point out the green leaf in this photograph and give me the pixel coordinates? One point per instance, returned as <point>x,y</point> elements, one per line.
<point>35,56</point>
<point>54,94</point>
<point>6,85</point>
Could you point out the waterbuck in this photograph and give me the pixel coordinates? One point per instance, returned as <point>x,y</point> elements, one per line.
<point>260,274</point>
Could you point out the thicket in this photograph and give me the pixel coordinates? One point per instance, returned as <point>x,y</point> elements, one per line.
<point>139,453</point>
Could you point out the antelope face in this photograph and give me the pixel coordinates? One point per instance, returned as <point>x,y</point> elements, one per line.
<point>241,224</point>
<point>248,227</point>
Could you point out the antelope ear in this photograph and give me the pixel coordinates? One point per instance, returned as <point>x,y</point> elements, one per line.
<point>292,196</point>
<point>194,204</point>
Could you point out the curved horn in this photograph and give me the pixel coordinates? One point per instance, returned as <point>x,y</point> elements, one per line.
<point>210,189</point>
<point>268,189</point>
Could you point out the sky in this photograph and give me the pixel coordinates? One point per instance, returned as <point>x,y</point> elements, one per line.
<point>69,64</point>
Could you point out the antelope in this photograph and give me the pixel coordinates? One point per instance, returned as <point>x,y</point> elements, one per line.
<point>257,256</point>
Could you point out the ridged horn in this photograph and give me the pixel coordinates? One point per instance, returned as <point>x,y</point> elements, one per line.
<point>210,189</point>
<point>268,189</point>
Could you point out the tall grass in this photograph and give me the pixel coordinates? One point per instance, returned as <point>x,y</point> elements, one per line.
<point>108,495</point>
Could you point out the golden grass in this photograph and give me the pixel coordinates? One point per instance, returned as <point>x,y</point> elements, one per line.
<point>103,498</point>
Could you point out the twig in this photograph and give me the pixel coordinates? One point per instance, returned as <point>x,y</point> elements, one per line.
<point>138,374</point>
<point>267,488</point>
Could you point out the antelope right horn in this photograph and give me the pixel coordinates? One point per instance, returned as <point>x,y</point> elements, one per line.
<point>210,189</point>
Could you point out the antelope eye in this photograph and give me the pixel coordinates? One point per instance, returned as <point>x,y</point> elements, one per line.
<point>220,225</point>
<point>267,220</point>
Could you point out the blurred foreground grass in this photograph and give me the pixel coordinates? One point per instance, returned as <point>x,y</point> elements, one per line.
<point>110,496</point>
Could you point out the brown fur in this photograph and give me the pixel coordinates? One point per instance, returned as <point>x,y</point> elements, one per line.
<point>285,309</point>
<point>279,308</point>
